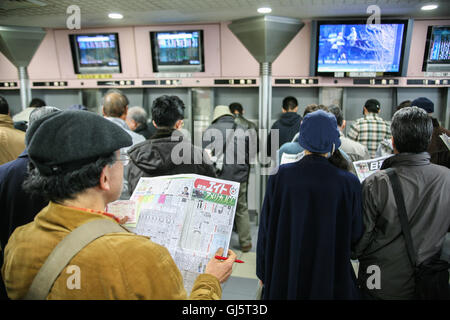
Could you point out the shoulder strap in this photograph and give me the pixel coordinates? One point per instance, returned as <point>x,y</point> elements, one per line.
<point>401,210</point>
<point>63,253</point>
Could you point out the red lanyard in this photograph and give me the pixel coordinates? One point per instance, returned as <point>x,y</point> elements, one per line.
<point>98,212</point>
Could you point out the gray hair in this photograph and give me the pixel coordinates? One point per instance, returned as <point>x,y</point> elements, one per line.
<point>137,114</point>
<point>38,113</point>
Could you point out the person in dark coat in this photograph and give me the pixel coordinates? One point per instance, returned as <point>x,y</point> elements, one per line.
<point>17,208</point>
<point>153,157</point>
<point>288,125</point>
<point>311,217</point>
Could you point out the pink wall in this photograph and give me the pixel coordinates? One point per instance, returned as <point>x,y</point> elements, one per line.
<point>8,72</point>
<point>44,64</point>
<point>294,59</point>
<point>418,41</point>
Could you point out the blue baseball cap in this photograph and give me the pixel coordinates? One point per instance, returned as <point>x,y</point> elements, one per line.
<point>319,132</point>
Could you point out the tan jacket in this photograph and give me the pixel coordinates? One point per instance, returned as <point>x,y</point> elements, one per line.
<point>12,141</point>
<point>115,266</point>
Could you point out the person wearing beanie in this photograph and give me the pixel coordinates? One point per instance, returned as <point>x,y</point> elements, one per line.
<point>310,219</point>
<point>231,164</point>
<point>437,149</point>
<point>73,249</point>
<point>371,129</point>
<point>426,189</point>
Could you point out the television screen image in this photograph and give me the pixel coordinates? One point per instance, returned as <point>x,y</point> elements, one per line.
<point>177,51</point>
<point>437,49</point>
<point>96,53</point>
<point>360,47</point>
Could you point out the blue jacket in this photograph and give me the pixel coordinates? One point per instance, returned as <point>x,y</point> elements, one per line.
<point>311,216</point>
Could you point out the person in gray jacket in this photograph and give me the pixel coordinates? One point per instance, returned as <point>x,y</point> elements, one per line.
<point>385,271</point>
<point>231,140</point>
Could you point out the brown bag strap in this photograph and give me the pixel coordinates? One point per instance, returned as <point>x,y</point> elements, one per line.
<point>63,253</point>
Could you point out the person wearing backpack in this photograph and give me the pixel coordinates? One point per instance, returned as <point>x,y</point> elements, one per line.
<point>394,253</point>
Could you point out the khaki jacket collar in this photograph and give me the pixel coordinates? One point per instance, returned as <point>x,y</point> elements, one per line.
<point>6,121</point>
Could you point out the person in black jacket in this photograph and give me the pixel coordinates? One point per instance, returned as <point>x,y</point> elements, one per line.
<point>17,207</point>
<point>164,153</point>
<point>137,121</point>
<point>288,125</point>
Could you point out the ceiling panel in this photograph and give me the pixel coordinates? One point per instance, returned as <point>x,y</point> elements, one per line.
<point>52,13</point>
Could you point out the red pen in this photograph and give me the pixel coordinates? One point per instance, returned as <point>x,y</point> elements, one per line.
<point>225,258</point>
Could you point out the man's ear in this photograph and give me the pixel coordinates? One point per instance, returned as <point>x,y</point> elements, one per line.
<point>344,123</point>
<point>393,145</point>
<point>104,184</point>
<point>178,124</point>
<point>154,124</point>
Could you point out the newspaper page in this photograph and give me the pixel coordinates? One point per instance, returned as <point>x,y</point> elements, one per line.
<point>445,138</point>
<point>191,215</point>
<point>365,168</point>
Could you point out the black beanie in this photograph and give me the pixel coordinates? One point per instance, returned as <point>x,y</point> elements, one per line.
<point>67,140</point>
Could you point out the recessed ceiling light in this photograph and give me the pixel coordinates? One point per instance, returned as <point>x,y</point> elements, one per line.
<point>264,10</point>
<point>115,16</point>
<point>429,7</point>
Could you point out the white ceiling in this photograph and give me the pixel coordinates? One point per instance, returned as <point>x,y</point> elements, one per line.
<point>52,13</point>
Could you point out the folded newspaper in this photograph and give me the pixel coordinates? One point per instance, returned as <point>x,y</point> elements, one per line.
<point>365,168</point>
<point>191,215</point>
<point>445,138</point>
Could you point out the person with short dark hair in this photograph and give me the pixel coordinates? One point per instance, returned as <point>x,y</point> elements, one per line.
<point>426,189</point>
<point>437,149</point>
<point>138,122</point>
<point>311,217</point>
<point>117,264</point>
<point>12,140</point>
<point>288,125</point>
<point>238,111</point>
<point>24,115</point>
<point>156,156</point>
<point>371,129</point>
<point>356,151</point>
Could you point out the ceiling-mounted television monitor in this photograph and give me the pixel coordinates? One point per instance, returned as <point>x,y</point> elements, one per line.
<point>177,51</point>
<point>436,57</point>
<point>95,53</point>
<point>357,47</point>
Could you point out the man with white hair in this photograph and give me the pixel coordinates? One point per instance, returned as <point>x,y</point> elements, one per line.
<point>137,121</point>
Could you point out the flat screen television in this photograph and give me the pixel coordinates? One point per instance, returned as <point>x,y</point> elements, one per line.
<point>95,53</point>
<point>177,51</point>
<point>436,57</point>
<point>354,46</point>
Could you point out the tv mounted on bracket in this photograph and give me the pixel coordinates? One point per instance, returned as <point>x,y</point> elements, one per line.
<point>177,51</point>
<point>95,53</point>
<point>436,57</point>
<point>352,46</point>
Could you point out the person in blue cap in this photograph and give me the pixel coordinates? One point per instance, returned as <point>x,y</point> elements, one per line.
<point>311,217</point>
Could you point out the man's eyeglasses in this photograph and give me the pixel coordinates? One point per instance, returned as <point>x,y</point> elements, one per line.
<point>124,159</point>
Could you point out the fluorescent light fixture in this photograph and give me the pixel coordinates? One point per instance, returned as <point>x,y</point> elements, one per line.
<point>264,10</point>
<point>115,15</point>
<point>429,7</point>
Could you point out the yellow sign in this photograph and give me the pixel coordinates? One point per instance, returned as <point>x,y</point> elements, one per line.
<point>94,76</point>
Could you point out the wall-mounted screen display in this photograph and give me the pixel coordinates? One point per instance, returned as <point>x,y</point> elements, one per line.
<point>96,53</point>
<point>360,47</point>
<point>437,49</point>
<point>177,51</point>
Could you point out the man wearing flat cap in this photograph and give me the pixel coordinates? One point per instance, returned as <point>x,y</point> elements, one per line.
<point>74,249</point>
<point>371,129</point>
<point>438,151</point>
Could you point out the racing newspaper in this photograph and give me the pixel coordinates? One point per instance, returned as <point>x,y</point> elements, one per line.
<point>191,215</point>
<point>365,168</point>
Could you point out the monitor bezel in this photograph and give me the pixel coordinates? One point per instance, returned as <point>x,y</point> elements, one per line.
<point>359,21</point>
<point>427,49</point>
<point>181,67</point>
<point>78,68</point>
